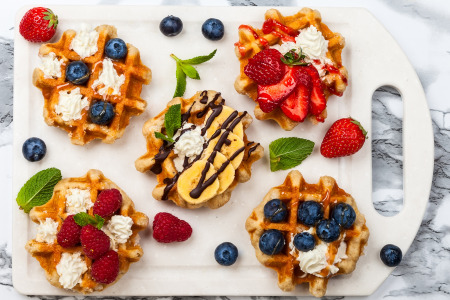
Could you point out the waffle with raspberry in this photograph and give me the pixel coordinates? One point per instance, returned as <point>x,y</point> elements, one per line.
<point>126,103</point>
<point>292,193</point>
<point>253,40</point>
<point>49,254</point>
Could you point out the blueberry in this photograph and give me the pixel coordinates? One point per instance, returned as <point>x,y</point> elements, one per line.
<point>226,254</point>
<point>275,210</point>
<point>213,29</point>
<point>77,72</point>
<point>310,212</point>
<point>344,215</point>
<point>34,149</point>
<point>328,230</point>
<point>101,113</point>
<point>391,255</point>
<point>304,241</point>
<point>271,242</point>
<point>116,49</point>
<point>171,26</point>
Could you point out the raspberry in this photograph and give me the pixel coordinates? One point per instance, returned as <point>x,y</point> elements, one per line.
<point>94,241</point>
<point>266,67</point>
<point>69,234</point>
<point>108,201</point>
<point>167,228</point>
<point>106,268</point>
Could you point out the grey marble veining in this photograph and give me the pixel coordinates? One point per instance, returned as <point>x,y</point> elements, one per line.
<point>6,82</point>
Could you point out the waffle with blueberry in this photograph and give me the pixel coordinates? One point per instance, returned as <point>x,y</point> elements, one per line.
<point>224,166</point>
<point>307,233</point>
<point>115,248</point>
<point>94,107</point>
<point>285,107</point>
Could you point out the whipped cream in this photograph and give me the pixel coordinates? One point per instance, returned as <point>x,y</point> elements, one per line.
<point>85,41</point>
<point>51,66</point>
<point>190,144</point>
<point>70,268</point>
<point>70,104</point>
<point>46,231</point>
<point>78,201</point>
<point>120,228</point>
<point>109,79</point>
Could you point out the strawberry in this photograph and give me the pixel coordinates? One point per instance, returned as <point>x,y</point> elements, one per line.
<point>271,96</point>
<point>167,228</point>
<point>38,25</point>
<point>318,101</point>
<point>94,241</point>
<point>296,106</point>
<point>108,202</point>
<point>345,137</point>
<point>69,234</point>
<point>106,268</point>
<point>265,67</point>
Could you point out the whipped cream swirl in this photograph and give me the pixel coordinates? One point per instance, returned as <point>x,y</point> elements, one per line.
<point>70,268</point>
<point>190,144</point>
<point>46,231</point>
<point>120,228</point>
<point>85,41</point>
<point>70,104</point>
<point>109,79</point>
<point>78,201</point>
<point>51,66</point>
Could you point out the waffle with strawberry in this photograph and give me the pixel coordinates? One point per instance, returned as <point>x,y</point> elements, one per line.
<point>87,257</point>
<point>290,86</point>
<point>314,231</point>
<point>124,100</point>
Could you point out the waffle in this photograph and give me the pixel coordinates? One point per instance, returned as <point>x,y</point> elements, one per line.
<point>292,192</point>
<point>49,255</point>
<point>200,102</point>
<point>252,41</point>
<point>126,105</point>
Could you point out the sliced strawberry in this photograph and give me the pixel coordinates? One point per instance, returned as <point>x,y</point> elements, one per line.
<point>270,96</point>
<point>318,101</point>
<point>296,106</point>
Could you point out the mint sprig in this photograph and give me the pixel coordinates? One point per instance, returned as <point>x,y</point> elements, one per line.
<point>38,190</point>
<point>84,219</point>
<point>286,153</point>
<point>172,122</point>
<point>292,58</point>
<point>185,68</point>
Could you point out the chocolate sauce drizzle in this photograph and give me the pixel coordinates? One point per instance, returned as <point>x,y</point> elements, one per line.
<point>204,96</point>
<point>250,151</point>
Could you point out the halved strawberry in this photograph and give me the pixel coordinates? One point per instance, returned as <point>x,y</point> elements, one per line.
<point>318,101</point>
<point>270,96</point>
<point>296,106</point>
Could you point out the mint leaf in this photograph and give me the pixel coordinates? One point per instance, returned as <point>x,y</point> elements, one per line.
<point>161,136</point>
<point>199,59</point>
<point>84,219</point>
<point>38,190</point>
<point>190,71</point>
<point>286,153</point>
<point>181,82</point>
<point>172,119</point>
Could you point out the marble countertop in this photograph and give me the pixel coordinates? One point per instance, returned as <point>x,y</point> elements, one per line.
<point>421,27</point>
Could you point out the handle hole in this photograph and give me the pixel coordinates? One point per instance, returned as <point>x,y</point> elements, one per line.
<point>387,151</point>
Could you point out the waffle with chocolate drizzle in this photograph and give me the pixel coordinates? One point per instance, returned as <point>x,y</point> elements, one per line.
<point>226,159</point>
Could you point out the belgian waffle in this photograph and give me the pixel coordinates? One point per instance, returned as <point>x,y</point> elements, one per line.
<point>160,156</point>
<point>127,104</point>
<point>49,255</point>
<point>292,192</point>
<point>252,41</point>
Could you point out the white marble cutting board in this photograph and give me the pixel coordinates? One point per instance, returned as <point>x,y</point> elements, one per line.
<point>373,59</point>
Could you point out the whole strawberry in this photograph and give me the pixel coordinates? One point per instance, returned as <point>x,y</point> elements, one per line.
<point>167,228</point>
<point>38,25</point>
<point>345,137</point>
<point>265,67</point>
<point>106,268</point>
<point>107,203</point>
<point>94,241</point>
<point>69,234</point>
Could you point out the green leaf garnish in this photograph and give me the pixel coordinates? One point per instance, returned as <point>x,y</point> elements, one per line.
<point>84,219</point>
<point>185,68</point>
<point>172,119</point>
<point>286,153</point>
<point>38,190</point>
<point>292,58</point>
<point>161,136</point>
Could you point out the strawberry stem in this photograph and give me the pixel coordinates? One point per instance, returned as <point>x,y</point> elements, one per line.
<point>360,127</point>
